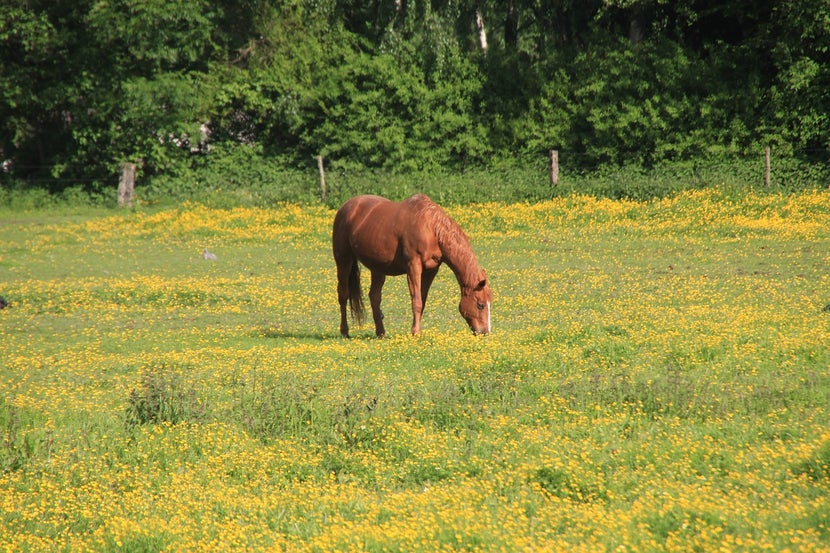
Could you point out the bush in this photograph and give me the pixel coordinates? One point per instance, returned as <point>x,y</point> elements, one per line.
<point>23,437</point>
<point>231,176</point>
<point>162,396</point>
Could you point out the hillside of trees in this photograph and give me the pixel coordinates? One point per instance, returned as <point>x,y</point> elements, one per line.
<point>403,85</point>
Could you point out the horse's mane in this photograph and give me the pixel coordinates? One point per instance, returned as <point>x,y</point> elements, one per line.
<point>452,240</point>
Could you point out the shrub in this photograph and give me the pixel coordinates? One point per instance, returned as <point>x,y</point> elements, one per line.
<point>22,439</point>
<point>162,396</point>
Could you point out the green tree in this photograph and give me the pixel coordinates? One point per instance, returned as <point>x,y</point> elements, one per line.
<point>94,83</point>
<point>265,93</point>
<point>799,39</point>
<point>150,96</point>
<point>407,104</point>
<point>35,94</point>
<point>403,85</point>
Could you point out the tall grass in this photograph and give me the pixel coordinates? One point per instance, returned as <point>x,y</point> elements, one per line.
<point>251,180</point>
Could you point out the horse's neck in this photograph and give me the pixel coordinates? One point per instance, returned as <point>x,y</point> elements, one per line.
<point>467,273</point>
<point>458,254</point>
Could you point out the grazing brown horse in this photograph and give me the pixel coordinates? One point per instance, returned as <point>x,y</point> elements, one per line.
<point>415,237</point>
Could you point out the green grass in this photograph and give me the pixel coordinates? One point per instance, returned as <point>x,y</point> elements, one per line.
<point>657,379</point>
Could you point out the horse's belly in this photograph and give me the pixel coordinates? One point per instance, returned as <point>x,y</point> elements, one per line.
<point>391,267</point>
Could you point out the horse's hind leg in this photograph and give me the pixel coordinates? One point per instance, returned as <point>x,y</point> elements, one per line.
<point>375,294</point>
<point>343,271</point>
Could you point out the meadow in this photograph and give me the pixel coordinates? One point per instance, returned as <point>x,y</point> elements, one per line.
<point>657,379</point>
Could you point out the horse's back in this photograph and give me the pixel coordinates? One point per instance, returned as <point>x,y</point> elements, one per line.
<point>370,201</point>
<point>356,210</point>
<point>359,219</point>
<point>379,231</point>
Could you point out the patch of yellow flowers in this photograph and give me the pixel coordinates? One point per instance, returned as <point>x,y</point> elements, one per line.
<point>657,381</point>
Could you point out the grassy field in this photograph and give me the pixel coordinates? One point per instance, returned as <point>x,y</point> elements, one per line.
<point>658,379</point>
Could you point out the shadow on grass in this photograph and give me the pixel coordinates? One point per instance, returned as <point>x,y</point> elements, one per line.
<point>313,334</point>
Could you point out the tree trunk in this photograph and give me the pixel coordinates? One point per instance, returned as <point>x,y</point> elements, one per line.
<point>322,178</point>
<point>637,25</point>
<point>511,25</point>
<point>482,32</point>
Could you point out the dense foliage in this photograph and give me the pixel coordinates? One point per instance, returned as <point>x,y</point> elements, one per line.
<point>402,85</point>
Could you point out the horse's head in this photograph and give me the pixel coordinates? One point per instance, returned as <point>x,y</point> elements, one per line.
<point>475,305</point>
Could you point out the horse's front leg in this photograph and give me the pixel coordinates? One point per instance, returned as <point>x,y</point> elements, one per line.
<point>426,282</point>
<point>413,278</point>
<point>375,293</point>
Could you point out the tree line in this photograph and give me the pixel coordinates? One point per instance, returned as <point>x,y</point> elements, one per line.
<point>402,85</point>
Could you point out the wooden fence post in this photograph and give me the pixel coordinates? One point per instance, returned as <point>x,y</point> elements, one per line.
<point>322,178</point>
<point>766,167</point>
<point>126,185</point>
<point>554,167</point>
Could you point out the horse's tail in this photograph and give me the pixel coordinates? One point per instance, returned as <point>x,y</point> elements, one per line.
<point>356,294</point>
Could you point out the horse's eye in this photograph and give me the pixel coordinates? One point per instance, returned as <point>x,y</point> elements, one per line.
<point>480,305</point>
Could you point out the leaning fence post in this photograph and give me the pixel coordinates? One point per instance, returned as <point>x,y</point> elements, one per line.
<point>766,167</point>
<point>126,185</point>
<point>554,167</point>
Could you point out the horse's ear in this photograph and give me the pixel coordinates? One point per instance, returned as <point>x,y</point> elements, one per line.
<point>482,281</point>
